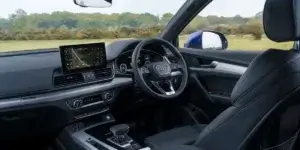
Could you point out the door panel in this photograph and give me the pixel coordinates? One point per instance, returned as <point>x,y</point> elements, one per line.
<point>236,57</point>
<point>217,71</point>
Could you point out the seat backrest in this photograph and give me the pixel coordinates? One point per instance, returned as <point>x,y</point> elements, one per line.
<point>272,79</point>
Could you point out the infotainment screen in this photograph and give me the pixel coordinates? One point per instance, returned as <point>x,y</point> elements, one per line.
<point>82,57</point>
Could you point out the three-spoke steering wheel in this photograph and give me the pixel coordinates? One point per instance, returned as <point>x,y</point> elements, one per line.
<point>149,77</point>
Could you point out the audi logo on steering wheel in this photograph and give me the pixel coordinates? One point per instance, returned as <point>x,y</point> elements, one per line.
<point>162,69</point>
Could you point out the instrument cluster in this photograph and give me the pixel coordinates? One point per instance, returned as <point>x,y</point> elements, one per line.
<point>123,62</point>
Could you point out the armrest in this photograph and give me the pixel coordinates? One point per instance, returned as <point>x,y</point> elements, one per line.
<point>178,147</point>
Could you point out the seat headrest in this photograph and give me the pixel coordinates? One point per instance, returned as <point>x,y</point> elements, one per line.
<point>281,20</point>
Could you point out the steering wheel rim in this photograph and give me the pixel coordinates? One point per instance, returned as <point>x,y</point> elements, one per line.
<point>155,68</point>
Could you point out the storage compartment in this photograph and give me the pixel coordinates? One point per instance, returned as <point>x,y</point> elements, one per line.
<point>30,124</point>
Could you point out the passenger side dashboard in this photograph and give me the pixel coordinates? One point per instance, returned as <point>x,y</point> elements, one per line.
<point>37,100</point>
<point>43,114</point>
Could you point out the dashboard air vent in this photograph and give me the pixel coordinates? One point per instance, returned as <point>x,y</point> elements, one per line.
<point>64,80</point>
<point>103,73</point>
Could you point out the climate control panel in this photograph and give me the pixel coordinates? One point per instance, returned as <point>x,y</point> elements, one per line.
<point>92,100</point>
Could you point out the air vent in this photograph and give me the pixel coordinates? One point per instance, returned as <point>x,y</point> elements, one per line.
<point>64,80</point>
<point>103,73</point>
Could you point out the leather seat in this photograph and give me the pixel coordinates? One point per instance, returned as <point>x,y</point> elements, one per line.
<point>271,82</point>
<point>183,135</point>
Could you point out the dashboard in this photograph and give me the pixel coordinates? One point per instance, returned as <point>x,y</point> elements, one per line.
<point>33,72</point>
<point>34,83</point>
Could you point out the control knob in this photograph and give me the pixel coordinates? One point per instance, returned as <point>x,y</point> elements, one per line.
<point>77,103</point>
<point>108,96</point>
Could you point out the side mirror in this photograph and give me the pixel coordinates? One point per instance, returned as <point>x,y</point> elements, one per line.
<point>93,3</point>
<point>207,40</point>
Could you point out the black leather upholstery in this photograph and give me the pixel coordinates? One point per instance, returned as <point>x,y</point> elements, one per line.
<point>270,79</point>
<point>281,20</point>
<point>180,136</point>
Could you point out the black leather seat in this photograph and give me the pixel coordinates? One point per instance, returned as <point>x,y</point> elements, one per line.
<point>183,136</point>
<point>271,82</point>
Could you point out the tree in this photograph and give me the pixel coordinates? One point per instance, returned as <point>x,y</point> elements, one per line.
<point>19,13</point>
<point>66,25</point>
<point>148,19</point>
<point>4,23</point>
<point>254,27</point>
<point>214,20</point>
<point>166,18</point>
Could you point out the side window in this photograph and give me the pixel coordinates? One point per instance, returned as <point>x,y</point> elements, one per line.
<point>239,21</point>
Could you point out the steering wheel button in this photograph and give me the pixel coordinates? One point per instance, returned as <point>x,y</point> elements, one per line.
<point>145,70</point>
<point>173,66</point>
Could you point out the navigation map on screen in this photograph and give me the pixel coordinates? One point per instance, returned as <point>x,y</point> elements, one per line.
<point>82,57</point>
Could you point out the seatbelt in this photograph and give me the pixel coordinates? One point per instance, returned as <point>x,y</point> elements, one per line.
<point>191,115</point>
<point>190,109</point>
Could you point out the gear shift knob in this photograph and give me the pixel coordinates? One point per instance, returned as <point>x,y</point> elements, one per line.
<point>119,130</point>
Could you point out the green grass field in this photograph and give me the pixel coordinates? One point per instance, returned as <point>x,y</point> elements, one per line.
<point>235,43</point>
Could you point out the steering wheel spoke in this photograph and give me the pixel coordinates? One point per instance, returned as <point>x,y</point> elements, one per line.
<point>160,89</point>
<point>176,68</point>
<point>176,73</point>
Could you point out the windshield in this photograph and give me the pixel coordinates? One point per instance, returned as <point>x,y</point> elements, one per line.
<point>40,24</point>
<point>44,24</point>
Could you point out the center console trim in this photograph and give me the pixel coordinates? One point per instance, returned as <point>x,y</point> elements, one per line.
<point>123,146</point>
<point>87,105</point>
<point>81,137</point>
<point>91,114</point>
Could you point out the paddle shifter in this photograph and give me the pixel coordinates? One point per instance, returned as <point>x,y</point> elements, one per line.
<point>120,136</point>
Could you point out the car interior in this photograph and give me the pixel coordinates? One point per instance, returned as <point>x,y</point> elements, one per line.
<point>148,94</point>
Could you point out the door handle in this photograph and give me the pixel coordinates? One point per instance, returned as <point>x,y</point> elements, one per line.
<point>213,64</point>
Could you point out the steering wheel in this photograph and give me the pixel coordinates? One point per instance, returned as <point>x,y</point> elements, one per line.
<point>156,78</point>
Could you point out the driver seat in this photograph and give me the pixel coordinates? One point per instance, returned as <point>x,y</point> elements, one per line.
<point>271,83</point>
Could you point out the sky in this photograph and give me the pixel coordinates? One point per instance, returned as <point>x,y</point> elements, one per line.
<point>245,8</point>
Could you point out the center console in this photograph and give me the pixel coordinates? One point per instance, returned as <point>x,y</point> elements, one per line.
<point>115,137</point>
<point>104,136</point>
<point>94,127</point>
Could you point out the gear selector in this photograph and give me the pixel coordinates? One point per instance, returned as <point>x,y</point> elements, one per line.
<point>120,137</point>
<point>119,130</point>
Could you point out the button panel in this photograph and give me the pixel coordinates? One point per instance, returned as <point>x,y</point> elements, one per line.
<point>92,100</point>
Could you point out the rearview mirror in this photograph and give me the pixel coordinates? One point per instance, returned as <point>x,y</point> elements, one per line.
<point>207,40</point>
<point>93,3</point>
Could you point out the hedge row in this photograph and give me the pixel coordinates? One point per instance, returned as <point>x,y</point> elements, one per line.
<point>64,34</point>
<point>124,32</point>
